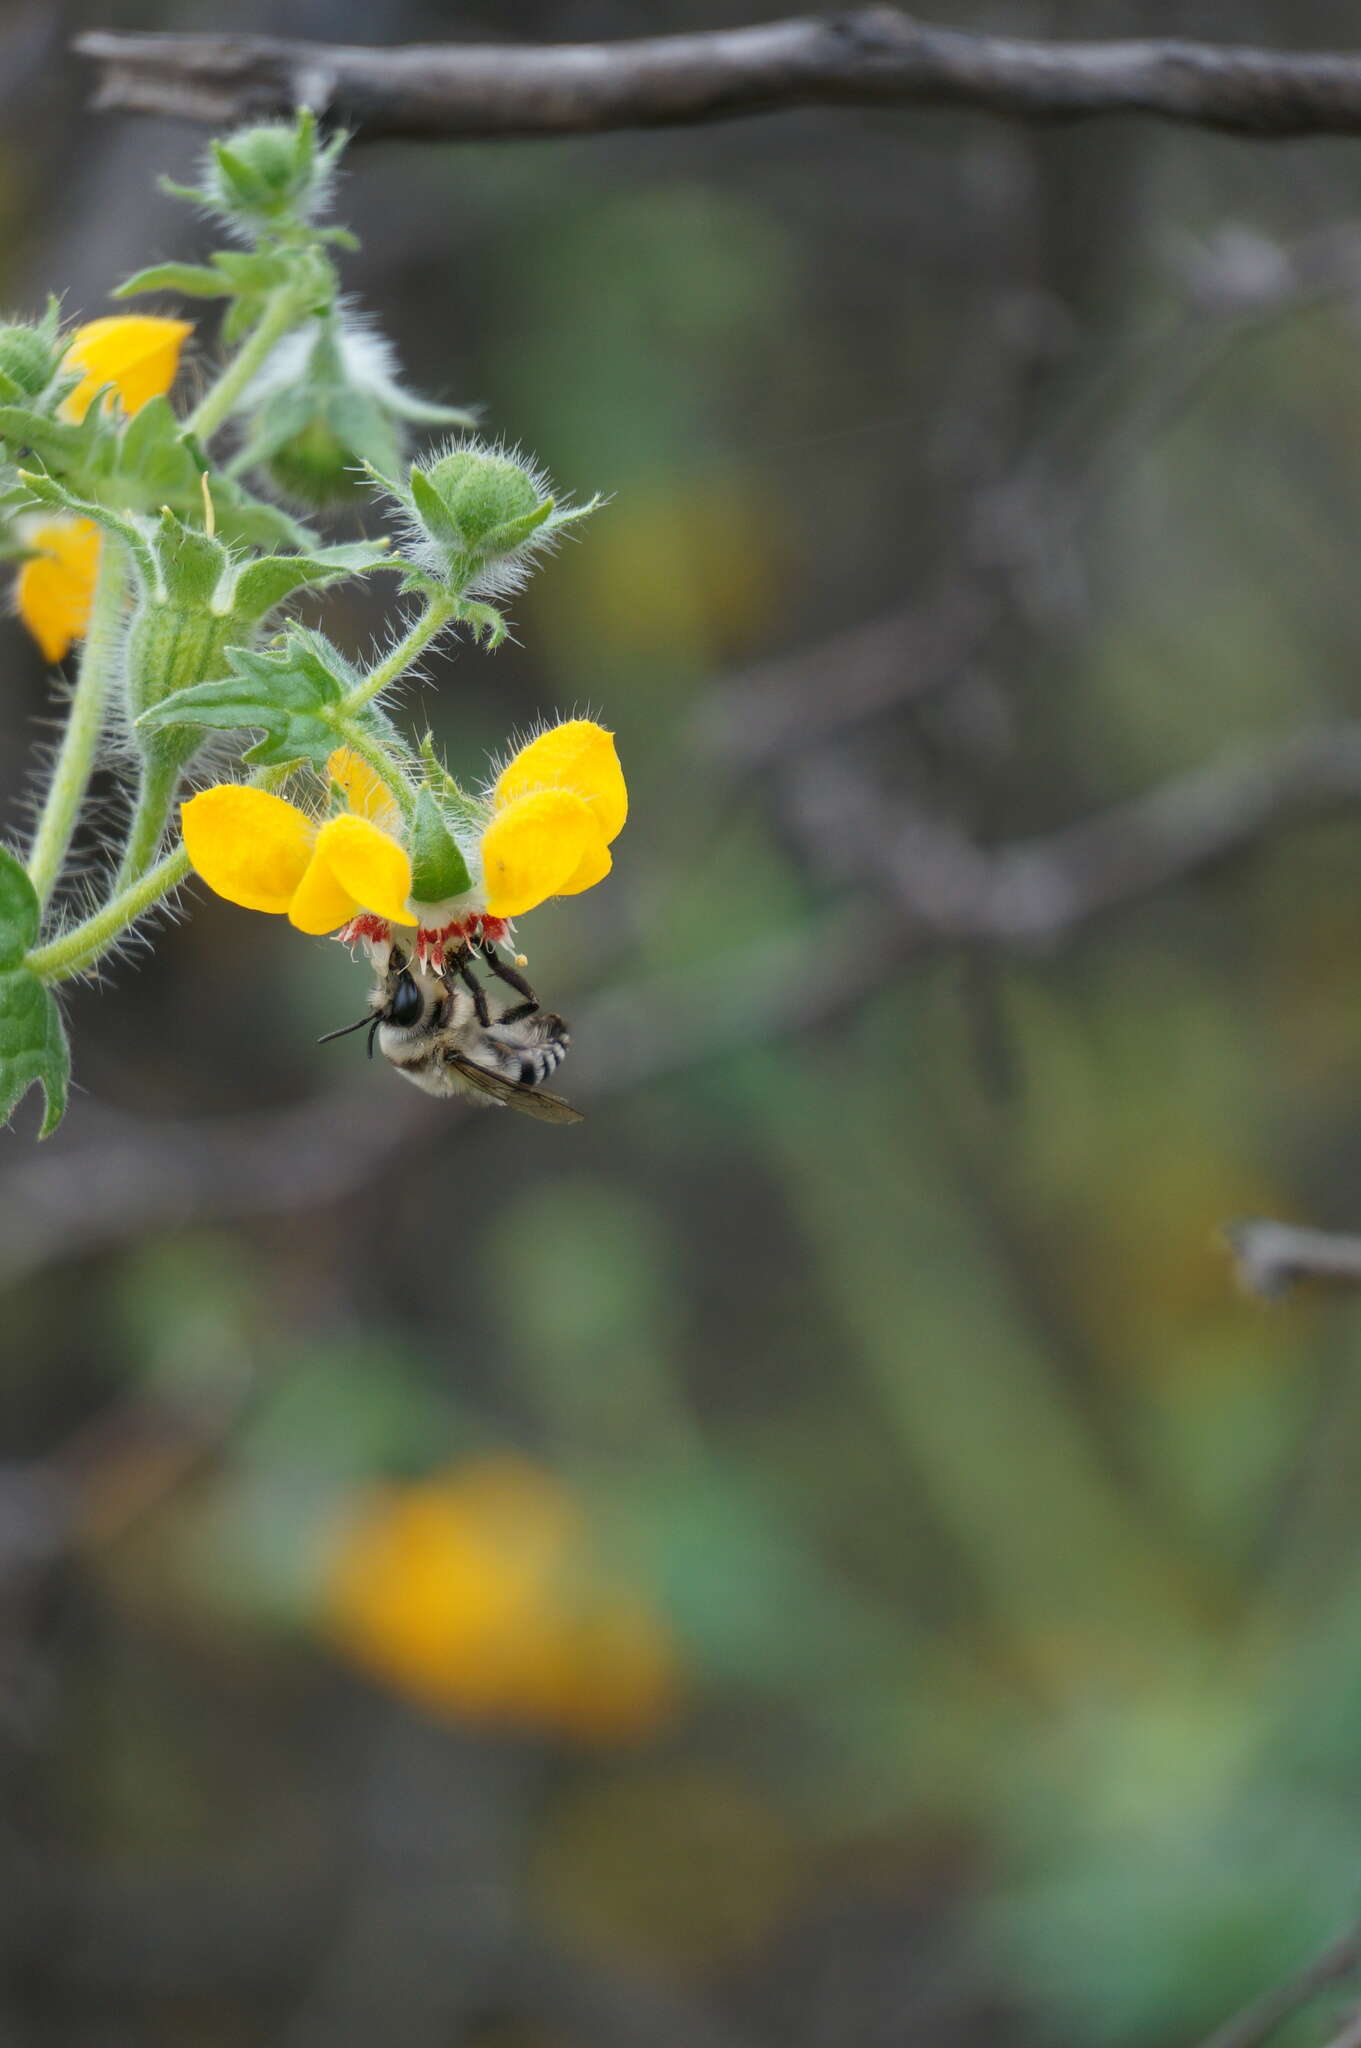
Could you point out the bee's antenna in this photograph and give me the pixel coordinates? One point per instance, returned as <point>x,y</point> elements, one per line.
<point>346,1029</point>
<point>373,1031</point>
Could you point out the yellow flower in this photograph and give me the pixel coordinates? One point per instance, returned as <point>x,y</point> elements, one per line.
<point>56,586</point>
<point>480,1593</point>
<point>135,352</point>
<point>557,807</point>
<point>264,853</point>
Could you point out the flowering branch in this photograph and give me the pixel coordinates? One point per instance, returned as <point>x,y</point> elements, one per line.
<point>84,726</point>
<point>95,468</point>
<point>875,56</point>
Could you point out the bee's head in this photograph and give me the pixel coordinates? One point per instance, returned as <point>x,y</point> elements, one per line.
<point>404,1001</point>
<point>407,1005</point>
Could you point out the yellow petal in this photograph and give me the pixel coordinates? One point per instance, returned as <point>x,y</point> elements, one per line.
<point>365,793</point>
<point>249,846</point>
<point>370,864</point>
<point>593,867</point>
<point>320,902</point>
<point>534,847</point>
<point>137,353</point>
<point>577,755</point>
<point>55,588</point>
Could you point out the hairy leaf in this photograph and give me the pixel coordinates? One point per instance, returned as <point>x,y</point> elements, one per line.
<point>194,280</point>
<point>290,694</point>
<point>32,1038</point>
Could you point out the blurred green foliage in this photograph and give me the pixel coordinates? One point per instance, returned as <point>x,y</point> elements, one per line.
<point>1009,1553</point>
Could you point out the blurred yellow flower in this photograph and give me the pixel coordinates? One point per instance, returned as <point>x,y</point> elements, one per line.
<point>479,1594</point>
<point>556,808</point>
<point>56,585</point>
<point>137,353</point>
<point>264,853</point>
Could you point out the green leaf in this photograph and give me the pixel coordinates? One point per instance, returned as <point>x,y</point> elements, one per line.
<point>32,1047</point>
<point>193,280</point>
<point>257,271</point>
<point>19,912</point>
<point>438,869</point>
<point>430,508</point>
<point>32,1039</point>
<point>504,539</point>
<point>288,693</point>
<point>263,584</point>
<point>245,520</point>
<point>191,563</point>
<point>423,412</point>
<point>154,464</point>
<point>58,441</point>
<point>484,619</point>
<point>47,491</point>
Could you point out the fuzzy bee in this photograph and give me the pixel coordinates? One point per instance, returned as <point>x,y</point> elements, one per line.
<point>438,1031</point>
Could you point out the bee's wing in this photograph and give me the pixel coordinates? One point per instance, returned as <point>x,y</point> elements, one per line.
<point>550,1109</point>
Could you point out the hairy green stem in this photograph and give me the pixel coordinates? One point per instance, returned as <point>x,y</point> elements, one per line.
<point>79,948</point>
<point>155,797</point>
<point>80,742</point>
<point>282,313</point>
<point>438,611</point>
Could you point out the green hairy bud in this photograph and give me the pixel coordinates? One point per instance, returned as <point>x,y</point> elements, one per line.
<point>483,494</point>
<point>271,173</point>
<point>28,359</point>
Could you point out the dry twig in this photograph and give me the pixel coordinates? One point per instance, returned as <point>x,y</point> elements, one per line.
<point>1270,1257</point>
<point>1258,2021</point>
<point>873,57</point>
<point>1033,893</point>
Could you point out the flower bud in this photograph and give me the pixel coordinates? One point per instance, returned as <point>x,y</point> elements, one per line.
<point>480,514</point>
<point>269,174</point>
<point>482,493</point>
<point>28,358</point>
<point>317,467</point>
<point>327,408</point>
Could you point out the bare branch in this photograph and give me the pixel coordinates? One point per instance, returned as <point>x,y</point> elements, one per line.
<point>1270,1257</point>
<point>876,56</point>
<point>1350,2036</point>
<point>1033,893</point>
<point>1258,2021</point>
<point>789,704</point>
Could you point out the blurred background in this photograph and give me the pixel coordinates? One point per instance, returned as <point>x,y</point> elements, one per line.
<point>823,1554</point>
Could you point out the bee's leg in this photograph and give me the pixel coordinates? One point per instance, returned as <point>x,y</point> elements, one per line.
<point>517,982</point>
<point>460,964</point>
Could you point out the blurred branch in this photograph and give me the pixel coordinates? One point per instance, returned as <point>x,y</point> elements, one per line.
<point>1033,893</point>
<point>1270,1257</point>
<point>1350,2035</point>
<point>1258,2021</point>
<point>789,704</point>
<point>874,57</point>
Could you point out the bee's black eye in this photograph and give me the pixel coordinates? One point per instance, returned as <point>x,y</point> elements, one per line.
<point>406,1002</point>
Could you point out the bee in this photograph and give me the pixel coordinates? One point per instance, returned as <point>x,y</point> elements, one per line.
<point>437,1029</point>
